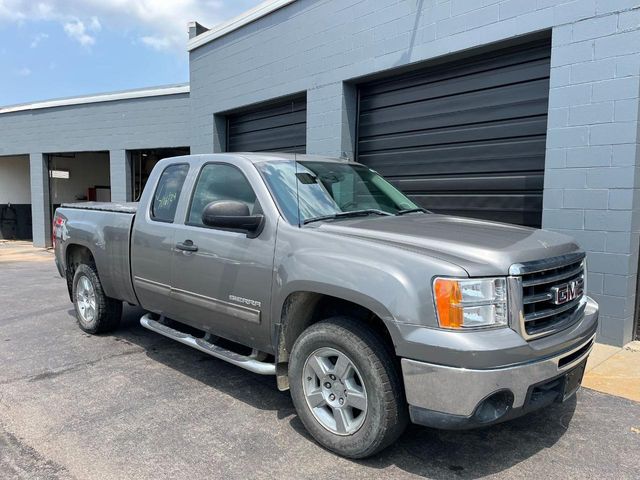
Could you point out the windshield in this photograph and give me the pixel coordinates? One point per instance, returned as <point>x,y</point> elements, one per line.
<point>327,189</point>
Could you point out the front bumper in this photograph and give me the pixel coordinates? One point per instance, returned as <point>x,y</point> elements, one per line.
<point>453,398</point>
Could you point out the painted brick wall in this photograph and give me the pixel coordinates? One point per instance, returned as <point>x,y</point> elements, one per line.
<point>591,175</point>
<point>151,122</point>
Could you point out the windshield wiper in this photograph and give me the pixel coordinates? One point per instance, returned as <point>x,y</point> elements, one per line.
<point>354,213</point>
<point>412,210</point>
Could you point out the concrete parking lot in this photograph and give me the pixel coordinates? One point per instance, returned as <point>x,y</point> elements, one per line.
<point>135,405</point>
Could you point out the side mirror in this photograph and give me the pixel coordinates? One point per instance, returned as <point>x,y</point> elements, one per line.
<point>234,216</point>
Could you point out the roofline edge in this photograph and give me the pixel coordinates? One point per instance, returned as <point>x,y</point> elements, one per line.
<point>99,98</point>
<point>251,15</point>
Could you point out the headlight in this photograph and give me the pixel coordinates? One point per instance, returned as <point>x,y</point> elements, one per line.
<point>473,303</point>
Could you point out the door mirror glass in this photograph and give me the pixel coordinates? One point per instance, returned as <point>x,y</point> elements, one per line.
<point>232,215</point>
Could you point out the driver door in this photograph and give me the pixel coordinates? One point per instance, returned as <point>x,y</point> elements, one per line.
<point>223,284</point>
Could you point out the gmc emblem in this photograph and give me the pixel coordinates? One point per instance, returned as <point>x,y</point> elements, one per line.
<point>561,294</point>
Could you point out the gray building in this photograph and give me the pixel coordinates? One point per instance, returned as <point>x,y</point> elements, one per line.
<point>522,111</point>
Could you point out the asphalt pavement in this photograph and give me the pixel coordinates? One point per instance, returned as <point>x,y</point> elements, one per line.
<point>134,405</point>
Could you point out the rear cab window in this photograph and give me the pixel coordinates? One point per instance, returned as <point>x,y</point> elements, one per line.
<point>167,194</point>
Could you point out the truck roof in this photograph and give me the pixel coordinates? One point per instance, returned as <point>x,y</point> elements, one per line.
<point>260,157</point>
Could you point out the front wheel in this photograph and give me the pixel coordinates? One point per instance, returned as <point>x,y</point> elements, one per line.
<point>95,312</point>
<point>346,387</point>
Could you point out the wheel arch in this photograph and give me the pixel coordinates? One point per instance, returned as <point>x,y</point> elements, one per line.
<point>303,308</point>
<point>75,255</point>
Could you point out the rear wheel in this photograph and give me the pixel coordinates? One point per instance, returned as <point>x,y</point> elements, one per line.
<point>346,387</point>
<point>95,312</point>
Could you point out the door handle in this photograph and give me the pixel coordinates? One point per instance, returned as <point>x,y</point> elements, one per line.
<point>186,246</point>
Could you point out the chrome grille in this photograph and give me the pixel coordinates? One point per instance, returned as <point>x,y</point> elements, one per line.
<point>544,309</point>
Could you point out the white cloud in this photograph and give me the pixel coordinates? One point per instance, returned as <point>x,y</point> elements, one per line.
<point>158,43</point>
<point>37,39</point>
<point>159,24</point>
<point>23,72</point>
<point>77,31</point>
<point>94,24</point>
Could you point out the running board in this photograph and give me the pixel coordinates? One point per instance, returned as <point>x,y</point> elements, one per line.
<point>242,361</point>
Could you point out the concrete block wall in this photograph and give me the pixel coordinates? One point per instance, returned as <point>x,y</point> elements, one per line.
<point>331,120</point>
<point>324,46</point>
<point>120,173</point>
<point>591,176</point>
<point>151,122</point>
<point>40,212</point>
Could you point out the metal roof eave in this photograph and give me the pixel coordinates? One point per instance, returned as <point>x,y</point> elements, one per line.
<point>99,98</point>
<point>257,12</point>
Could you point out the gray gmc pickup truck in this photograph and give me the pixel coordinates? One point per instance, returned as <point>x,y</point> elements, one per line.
<point>371,310</point>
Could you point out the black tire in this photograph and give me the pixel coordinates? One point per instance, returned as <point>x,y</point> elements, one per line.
<point>108,311</point>
<point>386,416</point>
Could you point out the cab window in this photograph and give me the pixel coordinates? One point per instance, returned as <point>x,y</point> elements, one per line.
<point>167,194</point>
<point>219,181</point>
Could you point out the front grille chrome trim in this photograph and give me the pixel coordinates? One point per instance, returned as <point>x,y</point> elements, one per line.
<point>531,317</point>
<point>537,315</point>
<point>543,297</point>
<point>554,278</point>
<point>569,321</point>
<point>546,264</point>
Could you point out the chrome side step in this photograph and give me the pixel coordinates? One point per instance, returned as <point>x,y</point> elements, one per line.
<point>247,362</point>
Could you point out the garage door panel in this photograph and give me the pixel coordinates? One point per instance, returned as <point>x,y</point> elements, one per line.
<point>506,183</point>
<point>522,209</point>
<point>468,117</point>
<point>279,127</point>
<point>515,95</point>
<point>282,108</point>
<point>423,114</point>
<point>472,166</point>
<point>486,80</point>
<point>489,61</point>
<point>464,165</point>
<point>269,140</point>
<point>376,133</point>
<point>532,126</point>
<point>465,138</point>
<point>460,159</point>
<point>291,118</point>
<point>496,202</point>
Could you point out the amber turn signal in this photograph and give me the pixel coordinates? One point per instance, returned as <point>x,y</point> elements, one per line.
<point>448,303</point>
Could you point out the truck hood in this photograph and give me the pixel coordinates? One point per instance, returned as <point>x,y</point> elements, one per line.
<point>480,247</point>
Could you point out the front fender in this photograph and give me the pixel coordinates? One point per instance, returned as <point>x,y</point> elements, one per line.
<point>342,277</point>
<point>392,282</point>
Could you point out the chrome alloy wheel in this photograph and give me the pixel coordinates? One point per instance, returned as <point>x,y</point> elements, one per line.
<point>334,391</point>
<point>86,300</point>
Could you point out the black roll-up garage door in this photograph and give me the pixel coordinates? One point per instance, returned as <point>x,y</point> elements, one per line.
<point>275,127</point>
<point>466,137</point>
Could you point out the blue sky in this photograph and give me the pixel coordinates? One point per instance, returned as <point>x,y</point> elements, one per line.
<point>61,48</point>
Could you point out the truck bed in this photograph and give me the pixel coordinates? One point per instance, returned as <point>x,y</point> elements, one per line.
<point>105,229</point>
<point>118,207</point>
